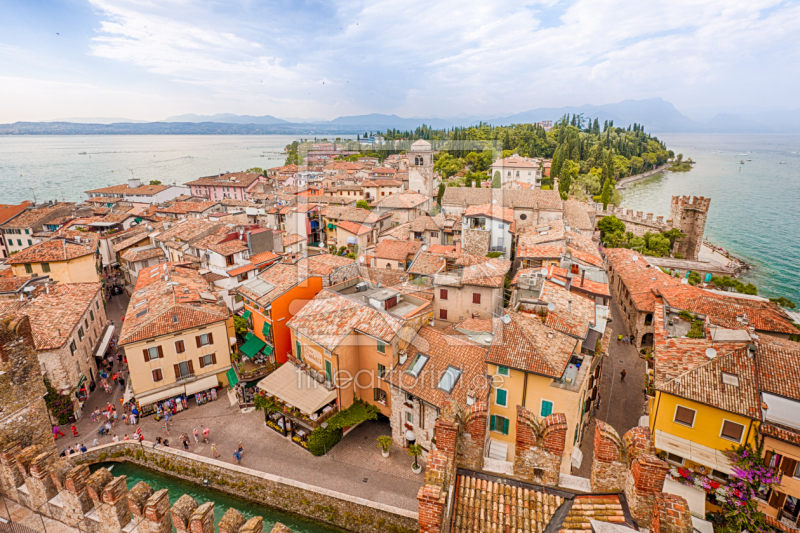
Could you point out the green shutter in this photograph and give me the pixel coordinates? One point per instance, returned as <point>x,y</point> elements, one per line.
<point>328,370</point>
<point>381,347</point>
<point>381,370</point>
<point>299,349</point>
<point>547,408</point>
<point>492,423</point>
<point>266,329</point>
<point>501,397</point>
<point>505,426</point>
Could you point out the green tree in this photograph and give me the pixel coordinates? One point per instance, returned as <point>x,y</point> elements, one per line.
<point>256,170</point>
<point>240,325</point>
<point>605,196</point>
<point>569,172</point>
<point>155,182</point>
<point>497,180</point>
<point>415,450</point>
<point>783,302</point>
<point>439,194</point>
<point>363,204</point>
<point>673,235</point>
<point>610,224</point>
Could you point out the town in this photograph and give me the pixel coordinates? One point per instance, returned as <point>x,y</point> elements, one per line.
<point>397,333</point>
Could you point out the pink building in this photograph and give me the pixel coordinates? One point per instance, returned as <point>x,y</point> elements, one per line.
<point>236,185</point>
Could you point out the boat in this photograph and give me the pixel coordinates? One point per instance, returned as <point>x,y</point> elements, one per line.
<point>783,162</point>
<point>81,153</point>
<point>741,162</point>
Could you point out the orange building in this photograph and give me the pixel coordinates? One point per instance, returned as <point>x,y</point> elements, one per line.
<point>271,299</point>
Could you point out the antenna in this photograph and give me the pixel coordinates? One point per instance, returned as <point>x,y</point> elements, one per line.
<point>711,353</point>
<point>684,281</point>
<point>506,319</point>
<point>551,307</point>
<point>543,271</point>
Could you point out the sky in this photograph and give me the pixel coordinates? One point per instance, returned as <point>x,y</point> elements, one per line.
<point>149,59</point>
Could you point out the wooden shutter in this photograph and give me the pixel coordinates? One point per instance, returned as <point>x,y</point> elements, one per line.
<point>505,426</point>
<point>767,457</point>
<point>177,371</point>
<point>443,294</point>
<point>210,338</point>
<point>777,499</point>
<point>180,347</point>
<point>443,314</point>
<point>476,297</point>
<point>202,362</point>
<point>146,355</point>
<point>788,466</point>
<point>191,367</point>
<point>213,359</point>
<point>157,375</point>
<point>160,351</point>
<point>198,341</point>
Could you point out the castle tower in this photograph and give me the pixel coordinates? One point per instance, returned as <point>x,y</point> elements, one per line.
<point>23,412</point>
<point>689,216</point>
<point>420,168</point>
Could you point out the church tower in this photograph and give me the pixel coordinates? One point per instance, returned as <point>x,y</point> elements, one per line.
<point>420,168</point>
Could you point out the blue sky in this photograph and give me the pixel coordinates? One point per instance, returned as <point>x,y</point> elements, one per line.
<point>150,59</point>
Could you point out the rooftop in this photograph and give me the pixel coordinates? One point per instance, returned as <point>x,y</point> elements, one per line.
<point>323,264</point>
<point>511,198</point>
<point>179,208</point>
<point>235,179</point>
<point>403,200</point>
<point>271,283</point>
<point>67,246</point>
<point>396,250</point>
<point>36,215</point>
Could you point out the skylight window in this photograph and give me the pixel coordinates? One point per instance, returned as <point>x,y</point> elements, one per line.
<point>449,379</point>
<point>730,379</point>
<point>417,364</point>
<point>141,313</point>
<point>139,304</point>
<point>155,273</point>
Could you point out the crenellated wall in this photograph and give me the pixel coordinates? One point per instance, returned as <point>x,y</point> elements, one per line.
<point>101,503</point>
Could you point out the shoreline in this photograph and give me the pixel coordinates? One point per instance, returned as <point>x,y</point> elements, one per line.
<point>739,266</point>
<point>624,182</point>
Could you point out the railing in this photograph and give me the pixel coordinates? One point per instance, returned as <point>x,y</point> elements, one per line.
<point>185,377</point>
<point>256,373</point>
<point>497,249</point>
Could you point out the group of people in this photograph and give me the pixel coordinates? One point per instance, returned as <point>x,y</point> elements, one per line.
<point>624,339</point>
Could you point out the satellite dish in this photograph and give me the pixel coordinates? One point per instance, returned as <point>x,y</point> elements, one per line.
<point>506,319</point>
<point>635,257</point>
<point>424,247</point>
<point>543,271</point>
<point>551,307</point>
<point>711,353</point>
<point>685,281</point>
<point>494,201</point>
<point>361,258</point>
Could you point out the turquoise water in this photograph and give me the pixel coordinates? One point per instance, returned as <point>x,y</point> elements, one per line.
<point>755,207</point>
<point>223,501</point>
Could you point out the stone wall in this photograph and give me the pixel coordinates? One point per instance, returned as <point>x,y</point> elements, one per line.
<point>423,415</point>
<point>671,514</point>
<point>23,413</point>
<point>539,447</point>
<point>338,509</point>
<point>471,441</point>
<point>475,241</point>
<point>689,215</point>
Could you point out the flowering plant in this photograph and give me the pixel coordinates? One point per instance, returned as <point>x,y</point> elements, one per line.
<point>709,486</point>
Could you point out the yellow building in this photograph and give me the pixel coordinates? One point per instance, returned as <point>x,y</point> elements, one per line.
<point>541,369</point>
<point>70,257</point>
<point>176,335</point>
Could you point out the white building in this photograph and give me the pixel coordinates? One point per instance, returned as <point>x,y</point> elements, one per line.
<point>517,168</point>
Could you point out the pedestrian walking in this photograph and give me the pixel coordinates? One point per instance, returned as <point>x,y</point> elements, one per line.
<point>619,339</point>
<point>214,452</point>
<point>185,442</point>
<point>240,449</point>
<point>206,431</point>
<point>622,375</point>
<point>196,435</point>
<point>74,431</point>
<point>238,457</point>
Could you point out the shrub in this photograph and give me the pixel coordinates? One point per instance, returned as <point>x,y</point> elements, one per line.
<point>323,439</point>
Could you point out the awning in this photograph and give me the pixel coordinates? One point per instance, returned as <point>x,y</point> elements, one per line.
<point>252,346</point>
<point>100,350</point>
<point>128,392</point>
<point>296,388</point>
<point>202,384</point>
<point>171,392</point>
<point>246,315</point>
<point>266,329</point>
<point>352,240</point>
<point>331,226</point>
<point>233,379</point>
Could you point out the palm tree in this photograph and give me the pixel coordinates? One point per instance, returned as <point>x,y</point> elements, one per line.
<point>415,450</point>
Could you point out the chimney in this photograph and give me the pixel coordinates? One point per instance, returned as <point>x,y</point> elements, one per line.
<point>569,305</point>
<point>583,276</point>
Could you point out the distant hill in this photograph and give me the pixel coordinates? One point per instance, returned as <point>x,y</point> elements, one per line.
<point>227,118</point>
<point>383,122</point>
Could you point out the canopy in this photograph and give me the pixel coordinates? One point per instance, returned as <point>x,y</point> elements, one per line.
<point>233,379</point>
<point>252,346</point>
<point>128,392</point>
<point>265,330</point>
<point>331,226</point>
<point>267,350</point>
<point>246,315</point>
<point>101,348</point>
<point>161,395</point>
<point>292,386</point>
<point>201,384</point>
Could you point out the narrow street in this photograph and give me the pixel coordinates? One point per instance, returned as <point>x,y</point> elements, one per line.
<point>621,402</point>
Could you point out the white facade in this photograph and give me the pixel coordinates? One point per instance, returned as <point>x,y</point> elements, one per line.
<point>170,193</point>
<point>517,168</point>
<point>500,236</point>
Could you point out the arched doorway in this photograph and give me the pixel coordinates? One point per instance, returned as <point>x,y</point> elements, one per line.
<point>647,340</point>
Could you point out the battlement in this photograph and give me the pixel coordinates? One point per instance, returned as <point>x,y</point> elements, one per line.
<point>698,203</point>
<point>634,217</point>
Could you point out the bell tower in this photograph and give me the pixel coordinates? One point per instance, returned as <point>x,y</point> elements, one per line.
<point>420,168</point>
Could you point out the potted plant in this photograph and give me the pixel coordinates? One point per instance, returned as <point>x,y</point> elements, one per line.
<point>415,450</point>
<point>384,443</point>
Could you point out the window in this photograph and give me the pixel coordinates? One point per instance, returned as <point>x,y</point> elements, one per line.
<point>80,333</point>
<point>97,304</point>
<point>157,376</point>
<point>72,348</point>
<point>501,397</point>
<point>86,323</point>
<point>19,242</point>
<point>180,347</point>
<point>675,459</point>
<point>443,314</point>
<point>298,348</point>
<point>546,409</point>
<point>417,364</point>
<point>499,424</point>
<point>449,379</point>
<point>730,379</point>
<point>434,234</point>
<point>91,315</point>
<point>204,340</point>
<point>502,370</point>
<point>153,353</point>
<point>30,243</point>
<point>476,297</point>
<point>328,371</point>
<point>183,370</point>
<point>208,360</point>
<point>45,267</point>
<point>443,294</point>
<point>379,395</point>
<point>410,417</point>
<point>381,370</point>
<point>28,267</point>
<point>381,347</point>
<point>685,416</point>
<point>732,431</point>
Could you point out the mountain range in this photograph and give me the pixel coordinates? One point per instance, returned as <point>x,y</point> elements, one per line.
<point>656,114</point>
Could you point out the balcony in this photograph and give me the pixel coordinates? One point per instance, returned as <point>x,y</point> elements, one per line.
<point>501,249</point>
<point>185,377</point>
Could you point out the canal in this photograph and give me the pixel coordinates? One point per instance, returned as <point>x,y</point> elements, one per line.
<point>223,501</point>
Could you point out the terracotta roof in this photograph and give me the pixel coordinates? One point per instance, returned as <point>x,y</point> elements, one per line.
<point>403,200</point>
<point>294,238</point>
<point>578,284</point>
<point>64,247</point>
<point>378,182</point>
<point>187,229</point>
<point>490,210</point>
<point>724,311</point>
<point>7,211</point>
<point>387,278</point>
<point>146,190</point>
<point>114,189</point>
<point>162,307</point>
<point>330,317</point>
<point>525,344</point>
<point>323,264</point>
<point>576,215</point>
<point>777,369</point>
<point>703,384</point>
<point>234,179</point>
<point>353,227</point>
<point>11,283</point>
<point>135,254</point>
<point>584,257</point>
<point>396,250</point>
<point>443,351</point>
<point>117,218</point>
<point>397,232</point>
<point>588,507</point>
<point>427,223</point>
<point>229,247</point>
<point>130,236</point>
<point>516,162</point>
<point>641,280</point>
<point>571,318</point>
<point>781,433</point>
<point>280,276</point>
<point>352,214</point>
<point>56,315</point>
<point>476,324</point>
<point>104,200</point>
<point>486,273</point>
<point>188,207</point>
<point>38,215</point>
<point>241,270</point>
<point>541,251</point>
<point>441,249</point>
<point>427,263</point>
<point>263,257</point>
<point>514,199</point>
<point>383,171</point>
